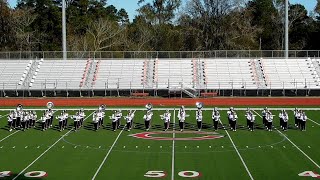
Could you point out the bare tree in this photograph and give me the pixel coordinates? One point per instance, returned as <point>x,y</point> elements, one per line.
<point>22,19</point>
<point>104,34</point>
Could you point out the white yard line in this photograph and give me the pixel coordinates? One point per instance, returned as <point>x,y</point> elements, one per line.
<point>234,146</point>
<point>105,158</point>
<point>173,137</point>
<point>3,116</point>
<point>314,121</point>
<point>9,136</point>
<point>45,152</point>
<point>294,145</point>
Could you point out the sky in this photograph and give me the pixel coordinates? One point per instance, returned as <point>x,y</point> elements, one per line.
<point>131,5</point>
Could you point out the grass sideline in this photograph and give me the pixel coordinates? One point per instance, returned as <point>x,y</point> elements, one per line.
<point>78,155</point>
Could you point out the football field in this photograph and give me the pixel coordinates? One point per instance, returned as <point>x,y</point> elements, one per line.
<point>170,155</point>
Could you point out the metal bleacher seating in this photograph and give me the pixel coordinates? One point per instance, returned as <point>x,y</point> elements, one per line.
<point>229,74</point>
<point>173,73</point>
<point>59,74</point>
<point>160,74</point>
<point>124,74</point>
<point>11,72</point>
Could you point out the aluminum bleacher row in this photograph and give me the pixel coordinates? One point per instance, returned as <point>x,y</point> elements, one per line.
<point>160,74</point>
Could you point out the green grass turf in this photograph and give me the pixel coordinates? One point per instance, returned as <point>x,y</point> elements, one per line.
<point>268,155</point>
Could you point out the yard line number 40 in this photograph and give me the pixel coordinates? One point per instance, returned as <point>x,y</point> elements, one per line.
<point>161,174</point>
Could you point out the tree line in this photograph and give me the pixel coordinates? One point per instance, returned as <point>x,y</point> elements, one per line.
<point>160,25</point>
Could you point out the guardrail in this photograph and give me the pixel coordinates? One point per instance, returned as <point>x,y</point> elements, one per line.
<point>159,54</point>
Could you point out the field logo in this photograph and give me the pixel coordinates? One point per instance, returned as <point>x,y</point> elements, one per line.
<point>309,174</point>
<point>150,136</point>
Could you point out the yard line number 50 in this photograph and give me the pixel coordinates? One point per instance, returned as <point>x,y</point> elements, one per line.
<point>161,174</point>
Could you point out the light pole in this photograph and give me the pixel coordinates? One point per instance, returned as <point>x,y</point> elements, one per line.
<point>286,29</point>
<point>64,34</point>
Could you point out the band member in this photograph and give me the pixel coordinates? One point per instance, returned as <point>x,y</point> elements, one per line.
<point>215,118</point>
<point>149,107</point>
<point>269,119</point>
<point>61,120</point>
<point>10,120</point>
<point>285,118</point>
<point>50,121</point>
<point>182,118</point>
<point>19,117</point>
<point>199,119</point>
<point>281,119</point>
<point>29,122</point>
<point>264,114</point>
<point>233,120</point>
<point>114,120</point>
<point>147,119</point>
<point>76,121</point>
<point>129,119</point>
<point>95,120</point>
<point>100,115</point>
<point>296,113</point>
<point>44,121</point>
<point>24,119</point>
<point>118,116</point>
<point>250,120</point>
<point>229,113</point>
<point>66,117</point>
<point>14,119</point>
<point>303,121</point>
<point>34,118</point>
<point>166,118</point>
<point>82,115</point>
<point>132,118</point>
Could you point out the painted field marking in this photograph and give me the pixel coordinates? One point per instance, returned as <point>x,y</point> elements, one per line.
<point>45,151</point>
<point>3,116</point>
<point>9,136</point>
<point>244,164</point>
<point>105,158</point>
<point>314,122</point>
<point>294,145</point>
<point>173,137</point>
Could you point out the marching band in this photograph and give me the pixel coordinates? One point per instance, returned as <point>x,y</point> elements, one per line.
<point>25,119</point>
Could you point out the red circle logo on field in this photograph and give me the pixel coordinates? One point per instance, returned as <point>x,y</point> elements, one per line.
<point>205,136</point>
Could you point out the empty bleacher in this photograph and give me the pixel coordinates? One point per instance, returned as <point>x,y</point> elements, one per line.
<point>11,72</point>
<point>122,74</point>
<point>172,74</point>
<point>59,74</point>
